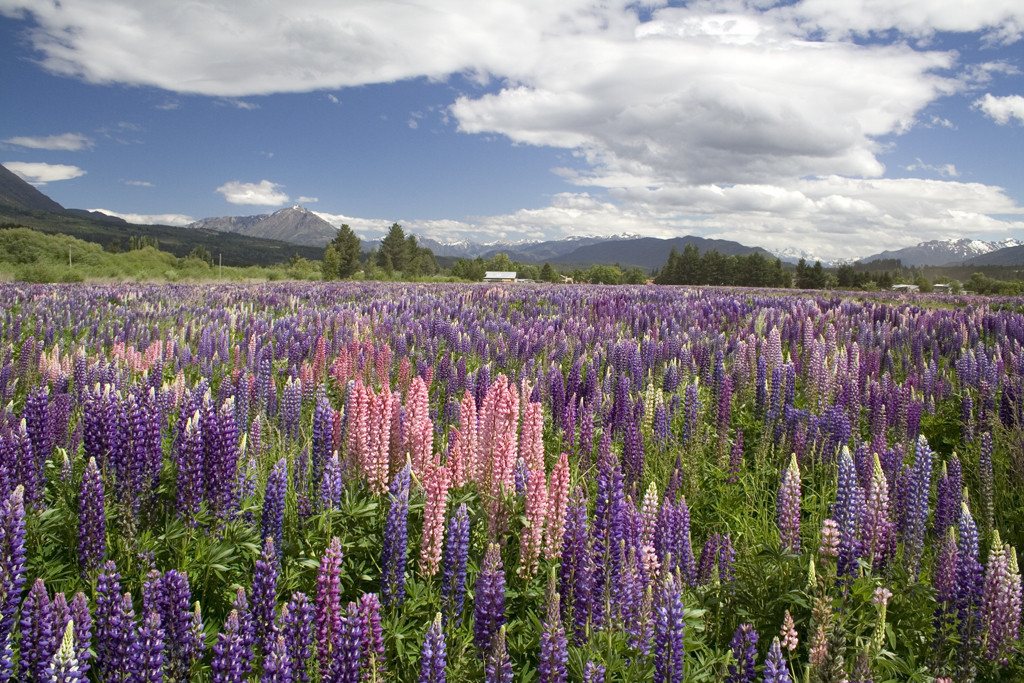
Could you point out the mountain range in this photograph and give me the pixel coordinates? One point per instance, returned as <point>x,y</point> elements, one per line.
<point>266,237</point>
<point>947,252</point>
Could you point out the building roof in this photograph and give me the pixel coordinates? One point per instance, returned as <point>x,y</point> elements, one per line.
<point>500,275</point>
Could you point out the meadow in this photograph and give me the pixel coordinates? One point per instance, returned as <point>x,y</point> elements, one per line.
<point>367,481</point>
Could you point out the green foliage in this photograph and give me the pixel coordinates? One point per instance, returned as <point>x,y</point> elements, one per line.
<point>713,268</point>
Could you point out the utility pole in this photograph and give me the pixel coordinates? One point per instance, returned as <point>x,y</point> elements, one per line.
<point>69,256</point>
<point>220,266</point>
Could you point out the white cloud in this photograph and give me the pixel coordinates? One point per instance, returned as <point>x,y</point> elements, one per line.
<point>39,173</point>
<point>1002,109</point>
<point>65,142</point>
<point>138,183</point>
<point>307,200</point>
<point>176,219</point>
<point>263,193</point>
<point>945,170</point>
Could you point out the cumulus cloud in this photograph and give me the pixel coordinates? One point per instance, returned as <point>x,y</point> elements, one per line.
<point>65,142</point>
<point>945,170</point>
<point>175,219</point>
<point>1002,109</point>
<point>39,173</point>
<point>307,200</point>
<point>263,193</point>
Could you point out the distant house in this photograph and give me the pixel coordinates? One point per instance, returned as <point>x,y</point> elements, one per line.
<point>943,288</point>
<point>905,289</point>
<point>500,276</point>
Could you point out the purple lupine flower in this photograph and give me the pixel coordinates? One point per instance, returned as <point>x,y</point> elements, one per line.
<point>489,615</point>
<point>775,668</point>
<point>1001,601</point>
<point>298,633</point>
<point>593,673</point>
<point>38,425</point>
<point>23,469</point>
<point>554,653</point>
<point>372,647</point>
<point>672,541</point>
<point>63,668</point>
<point>272,520</point>
<point>499,666</point>
<point>344,664</point>
<point>608,526</point>
<point>788,508</point>
<point>246,629</point>
<point>848,511</point>
<point>917,505</point>
<point>453,577</point>
<point>38,633</point>
<point>323,436</point>
<point>115,627</point>
<point>395,540</point>
<point>92,525</point>
<point>433,658</point>
<point>264,595</point>
<point>944,580</point>
<point>328,602</point>
<point>332,484</point>
<point>148,651</point>
<point>228,664</point>
<point>950,494</point>
<point>78,612</point>
<point>12,571</point>
<point>744,652</point>
<point>669,627</point>
<point>969,577</point>
<point>879,532</point>
<point>170,598</point>
<point>189,456</point>
<point>576,571</point>
<point>277,666</point>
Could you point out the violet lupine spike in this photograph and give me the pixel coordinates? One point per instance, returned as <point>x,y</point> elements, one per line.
<point>1001,602</point>
<point>950,488</point>
<point>92,525</point>
<point>433,656</point>
<point>328,602</point>
<point>23,468</point>
<point>986,476</point>
<point>848,512</point>
<point>264,595</point>
<point>489,610</point>
<point>189,453</point>
<point>969,582</point>
<point>12,564</point>
<point>148,651</point>
<point>453,576</point>
<point>917,505</point>
<point>554,653</point>
<point>246,629</point>
<point>576,570</point>
<point>879,531</point>
<point>593,672</point>
<point>277,666</point>
<point>38,634</point>
<point>115,627</point>
<point>63,668</point>
<point>788,508</point>
<point>499,666</point>
<point>272,519</point>
<point>669,628</point>
<point>395,540</point>
<point>228,664</point>
<point>172,597</point>
<point>744,653</point>
<point>372,647</point>
<point>79,614</point>
<point>298,632</point>
<point>775,668</point>
<point>344,665</point>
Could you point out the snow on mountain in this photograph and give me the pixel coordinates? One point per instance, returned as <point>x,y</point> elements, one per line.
<point>943,252</point>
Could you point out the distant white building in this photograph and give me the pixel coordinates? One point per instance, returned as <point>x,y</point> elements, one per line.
<point>500,276</point>
<point>905,289</point>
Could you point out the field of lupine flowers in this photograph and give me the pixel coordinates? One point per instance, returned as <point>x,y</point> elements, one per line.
<point>370,482</point>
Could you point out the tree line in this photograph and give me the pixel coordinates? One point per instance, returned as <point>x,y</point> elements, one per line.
<point>714,268</point>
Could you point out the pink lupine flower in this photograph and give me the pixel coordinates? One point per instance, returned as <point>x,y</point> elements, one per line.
<point>532,451</point>
<point>558,503</point>
<point>435,481</point>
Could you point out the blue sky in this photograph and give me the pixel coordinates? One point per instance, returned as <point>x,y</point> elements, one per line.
<point>838,129</point>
